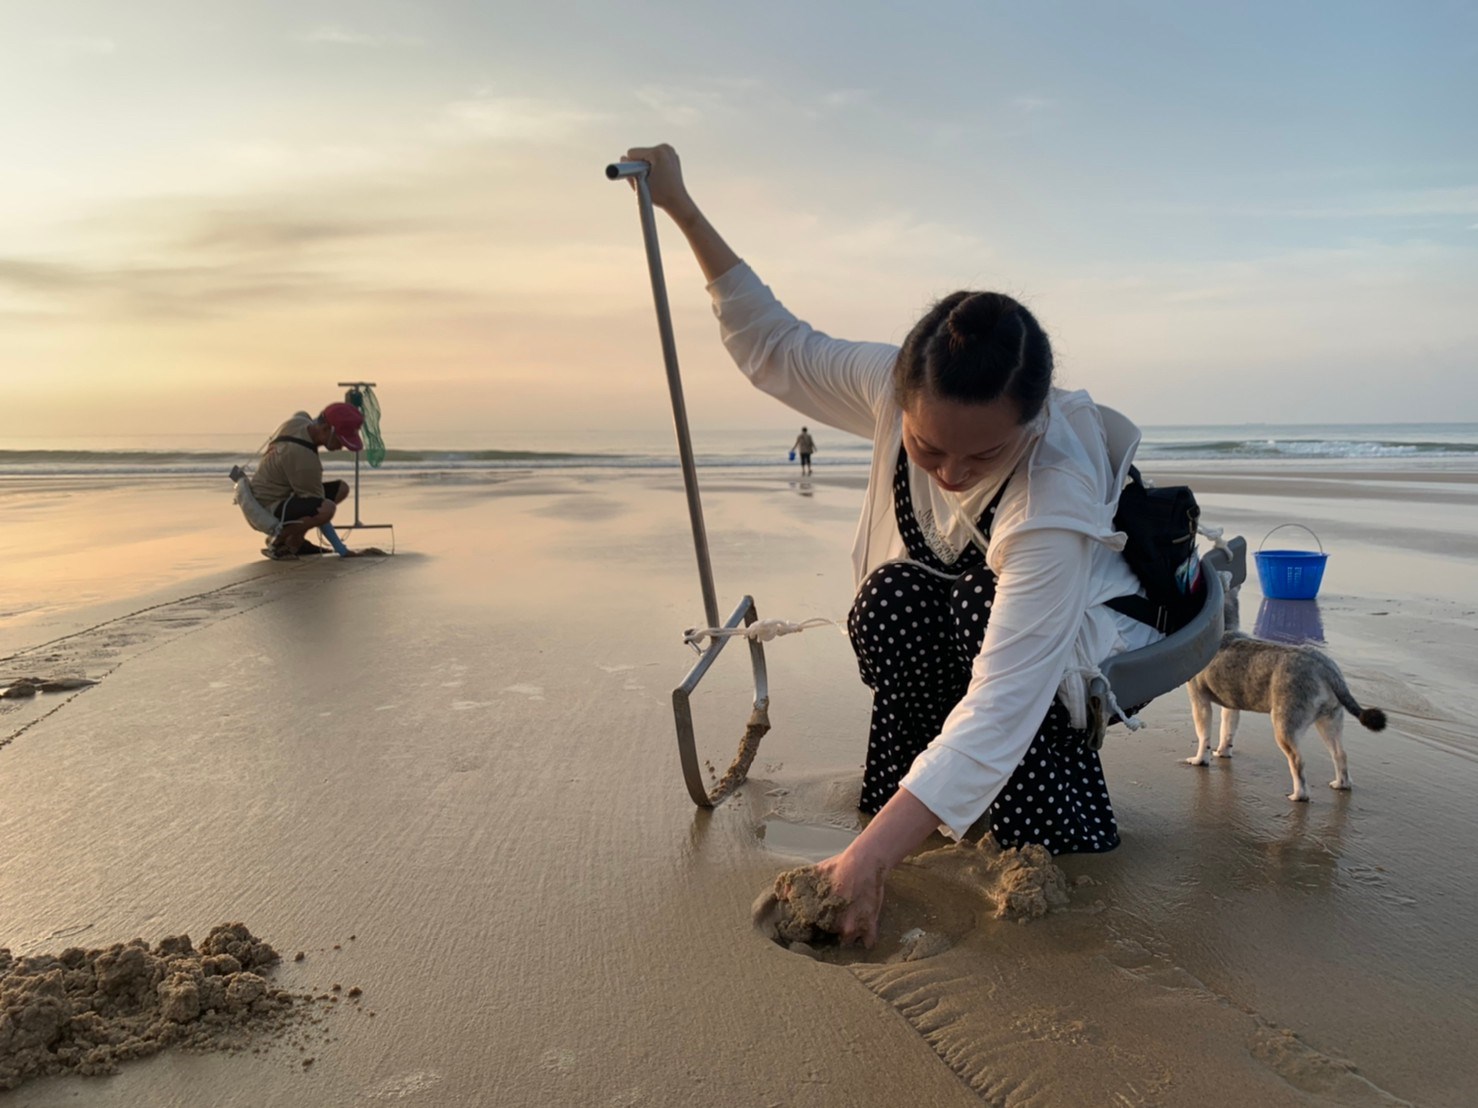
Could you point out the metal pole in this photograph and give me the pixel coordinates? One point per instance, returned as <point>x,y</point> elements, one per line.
<point>638,170</point>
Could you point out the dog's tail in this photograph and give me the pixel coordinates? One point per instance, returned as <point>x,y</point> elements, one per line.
<point>1372,719</point>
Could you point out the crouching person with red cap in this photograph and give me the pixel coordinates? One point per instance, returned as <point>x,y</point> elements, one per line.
<point>289,482</point>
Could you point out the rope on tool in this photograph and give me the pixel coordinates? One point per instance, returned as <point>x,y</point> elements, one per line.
<point>1111,702</point>
<point>761,630</point>
<point>1214,534</point>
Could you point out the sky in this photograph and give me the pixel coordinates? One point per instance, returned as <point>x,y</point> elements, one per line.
<point>212,213</point>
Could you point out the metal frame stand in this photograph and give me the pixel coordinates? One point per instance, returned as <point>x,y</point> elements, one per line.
<point>759,721</point>
<point>358,525</point>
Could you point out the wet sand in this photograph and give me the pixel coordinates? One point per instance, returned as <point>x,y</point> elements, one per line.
<point>464,757</point>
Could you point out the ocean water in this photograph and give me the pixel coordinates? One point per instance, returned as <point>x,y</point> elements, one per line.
<point>1413,445</point>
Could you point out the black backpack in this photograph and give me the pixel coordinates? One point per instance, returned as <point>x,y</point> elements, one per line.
<point>1160,527</point>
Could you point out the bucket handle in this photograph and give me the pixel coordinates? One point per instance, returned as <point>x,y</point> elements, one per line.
<point>1280,526</point>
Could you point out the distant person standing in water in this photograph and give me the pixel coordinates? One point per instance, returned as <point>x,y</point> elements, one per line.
<point>805,446</point>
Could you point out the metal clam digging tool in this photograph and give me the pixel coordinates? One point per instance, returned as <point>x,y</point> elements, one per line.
<point>759,718</point>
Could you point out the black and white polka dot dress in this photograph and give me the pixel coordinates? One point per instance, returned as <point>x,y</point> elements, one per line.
<point>916,634</point>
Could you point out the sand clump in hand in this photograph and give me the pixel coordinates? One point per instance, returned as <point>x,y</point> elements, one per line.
<point>807,910</point>
<point>85,1011</point>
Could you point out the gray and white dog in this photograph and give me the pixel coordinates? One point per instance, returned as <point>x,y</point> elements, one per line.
<point>1296,685</point>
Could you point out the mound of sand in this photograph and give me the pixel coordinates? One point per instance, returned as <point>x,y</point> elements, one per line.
<point>85,1011</point>
<point>1020,883</point>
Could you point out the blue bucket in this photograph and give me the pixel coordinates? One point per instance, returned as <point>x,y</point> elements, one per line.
<point>1290,574</point>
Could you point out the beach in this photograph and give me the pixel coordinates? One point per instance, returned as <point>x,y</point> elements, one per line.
<point>450,778</point>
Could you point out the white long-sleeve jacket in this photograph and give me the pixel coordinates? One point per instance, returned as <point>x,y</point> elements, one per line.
<point>1053,546</point>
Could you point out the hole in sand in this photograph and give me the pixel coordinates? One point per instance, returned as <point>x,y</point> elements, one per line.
<point>931,900</point>
<point>922,917</point>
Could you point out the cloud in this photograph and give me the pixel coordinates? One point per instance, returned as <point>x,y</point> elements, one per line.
<point>1028,104</point>
<point>73,48</point>
<point>330,35</point>
<point>244,231</point>
<point>688,105</point>
<point>723,100</point>
<point>28,275</point>
<point>844,98</point>
<point>516,118</point>
<point>1452,201</point>
<point>161,291</point>
<point>169,293</point>
<point>825,107</point>
<point>252,163</point>
<point>900,234</point>
<point>681,107</point>
<point>227,263</point>
<point>1355,318</point>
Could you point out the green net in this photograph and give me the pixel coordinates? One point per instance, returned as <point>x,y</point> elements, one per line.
<point>374,444</point>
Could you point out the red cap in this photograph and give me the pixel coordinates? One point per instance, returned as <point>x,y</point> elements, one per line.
<point>346,420</point>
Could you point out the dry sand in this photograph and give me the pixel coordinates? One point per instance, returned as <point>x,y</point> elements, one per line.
<point>464,757</point>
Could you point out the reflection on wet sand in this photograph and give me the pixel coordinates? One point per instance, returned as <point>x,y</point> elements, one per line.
<point>1234,846</point>
<point>1290,621</point>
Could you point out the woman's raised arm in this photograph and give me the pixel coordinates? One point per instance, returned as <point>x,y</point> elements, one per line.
<point>665,180</point>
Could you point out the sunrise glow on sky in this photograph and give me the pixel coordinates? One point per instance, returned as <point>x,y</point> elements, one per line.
<point>211,213</point>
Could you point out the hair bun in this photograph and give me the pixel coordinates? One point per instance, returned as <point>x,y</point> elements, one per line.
<point>975,347</point>
<point>976,317</point>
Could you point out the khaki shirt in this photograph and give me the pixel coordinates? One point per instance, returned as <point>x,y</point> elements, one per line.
<point>288,469</point>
